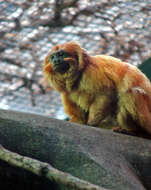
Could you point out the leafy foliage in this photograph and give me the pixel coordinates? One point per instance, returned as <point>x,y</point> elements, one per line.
<point>145,67</point>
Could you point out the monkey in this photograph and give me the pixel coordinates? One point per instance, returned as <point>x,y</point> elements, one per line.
<point>45,84</point>
<point>95,87</point>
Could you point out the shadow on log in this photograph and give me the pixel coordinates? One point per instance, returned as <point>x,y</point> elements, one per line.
<point>102,157</point>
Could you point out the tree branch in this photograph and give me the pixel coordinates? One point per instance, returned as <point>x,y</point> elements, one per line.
<point>46,170</point>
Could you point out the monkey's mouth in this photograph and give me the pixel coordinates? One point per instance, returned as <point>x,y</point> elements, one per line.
<point>59,61</point>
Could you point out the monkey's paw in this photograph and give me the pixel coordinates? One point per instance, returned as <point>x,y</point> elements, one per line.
<point>124,131</point>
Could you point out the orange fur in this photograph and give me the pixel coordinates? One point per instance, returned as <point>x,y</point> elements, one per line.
<point>95,87</point>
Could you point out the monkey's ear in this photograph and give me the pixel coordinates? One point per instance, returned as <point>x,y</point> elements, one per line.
<point>47,69</point>
<point>75,48</point>
<point>80,57</point>
<point>47,59</point>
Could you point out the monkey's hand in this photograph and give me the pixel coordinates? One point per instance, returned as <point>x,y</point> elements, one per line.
<point>99,110</point>
<point>75,113</point>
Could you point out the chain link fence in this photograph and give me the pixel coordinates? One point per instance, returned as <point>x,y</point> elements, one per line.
<point>28,29</point>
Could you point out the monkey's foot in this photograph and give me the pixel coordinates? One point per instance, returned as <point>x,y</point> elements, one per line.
<point>124,131</point>
<point>140,133</point>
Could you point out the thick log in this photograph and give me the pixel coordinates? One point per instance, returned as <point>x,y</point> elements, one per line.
<point>102,157</point>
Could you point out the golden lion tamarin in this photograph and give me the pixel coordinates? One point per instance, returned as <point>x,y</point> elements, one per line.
<point>94,87</point>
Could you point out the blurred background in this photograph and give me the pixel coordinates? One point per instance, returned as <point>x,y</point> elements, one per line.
<point>28,29</point>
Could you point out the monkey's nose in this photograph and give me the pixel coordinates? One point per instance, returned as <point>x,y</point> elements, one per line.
<point>56,61</point>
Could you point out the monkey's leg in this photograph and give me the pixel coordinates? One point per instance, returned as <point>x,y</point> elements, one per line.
<point>75,113</point>
<point>134,114</point>
<point>127,115</point>
<point>143,108</point>
<point>99,109</point>
<point>129,126</point>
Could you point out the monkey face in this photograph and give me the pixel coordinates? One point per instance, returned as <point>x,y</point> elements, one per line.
<point>64,65</point>
<point>58,61</point>
<point>65,60</point>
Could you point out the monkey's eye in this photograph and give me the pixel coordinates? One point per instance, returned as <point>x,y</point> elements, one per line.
<point>61,53</point>
<point>58,63</point>
<point>52,57</point>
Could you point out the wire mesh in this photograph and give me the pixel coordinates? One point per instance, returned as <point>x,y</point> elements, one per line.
<point>28,29</point>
